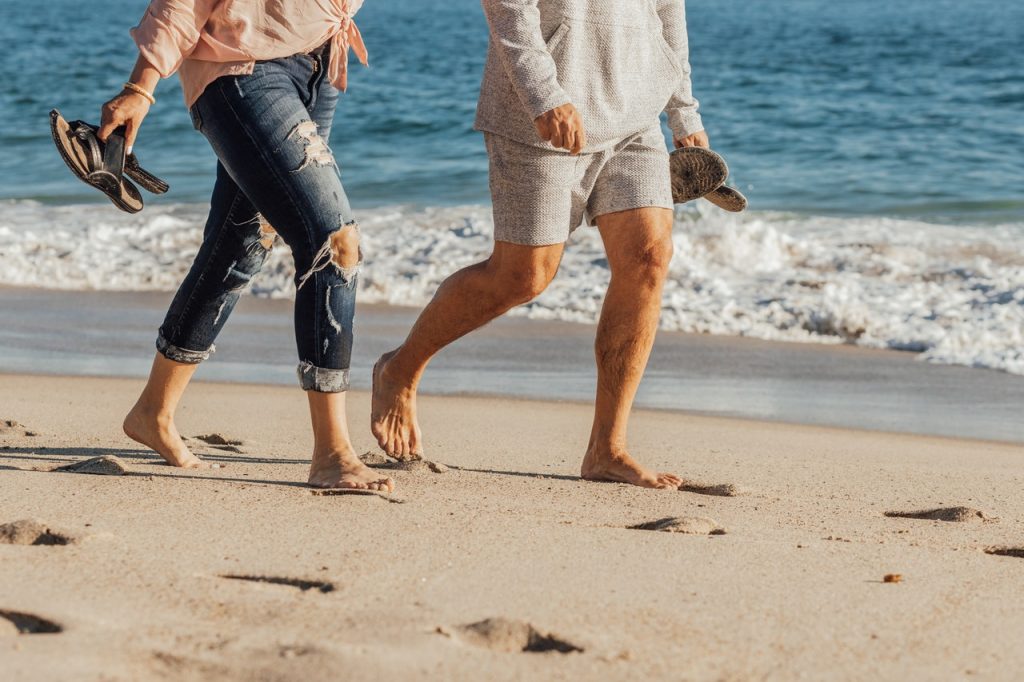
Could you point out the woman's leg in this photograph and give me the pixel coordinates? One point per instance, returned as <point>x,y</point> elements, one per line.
<point>264,132</point>
<point>234,249</point>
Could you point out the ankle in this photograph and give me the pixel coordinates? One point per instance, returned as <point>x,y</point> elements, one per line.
<point>152,413</point>
<point>340,453</point>
<point>397,372</point>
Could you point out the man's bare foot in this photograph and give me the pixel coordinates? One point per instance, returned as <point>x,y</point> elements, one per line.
<point>619,467</point>
<point>393,417</point>
<point>158,433</point>
<point>344,470</point>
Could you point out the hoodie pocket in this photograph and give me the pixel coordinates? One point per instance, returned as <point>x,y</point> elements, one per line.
<point>556,38</point>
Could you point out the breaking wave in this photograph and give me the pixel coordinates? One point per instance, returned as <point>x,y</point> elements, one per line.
<point>955,294</point>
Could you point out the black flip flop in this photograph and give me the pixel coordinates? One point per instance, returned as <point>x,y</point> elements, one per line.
<point>695,172</point>
<point>103,165</point>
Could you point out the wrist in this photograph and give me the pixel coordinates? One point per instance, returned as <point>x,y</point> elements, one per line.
<point>131,88</point>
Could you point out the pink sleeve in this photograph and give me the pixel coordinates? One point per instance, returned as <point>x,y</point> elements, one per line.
<point>169,31</point>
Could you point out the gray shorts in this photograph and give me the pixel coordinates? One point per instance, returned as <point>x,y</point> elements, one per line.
<point>541,196</point>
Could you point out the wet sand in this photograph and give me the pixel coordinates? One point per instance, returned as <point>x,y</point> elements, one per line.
<point>506,566</point>
<point>112,334</point>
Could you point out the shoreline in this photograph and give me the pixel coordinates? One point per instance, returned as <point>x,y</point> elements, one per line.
<point>111,334</point>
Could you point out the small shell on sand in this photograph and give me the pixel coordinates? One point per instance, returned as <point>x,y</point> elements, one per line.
<point>951,514</point>
<point>107,465</point>
<point>688,525</point>
<point>718,490</point>
<point>893,578</point>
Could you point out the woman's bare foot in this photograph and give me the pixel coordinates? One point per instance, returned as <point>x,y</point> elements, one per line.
<point>618,466</point>
<point>158,433</point>
<point>393,418</point>
<point>344,470</point>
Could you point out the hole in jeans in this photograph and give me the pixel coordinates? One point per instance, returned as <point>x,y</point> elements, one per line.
<point>317,151</point>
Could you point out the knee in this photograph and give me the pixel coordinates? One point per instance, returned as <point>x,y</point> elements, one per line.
<point>345,247</point>
<point>649,264</point>
<point>523,282</point>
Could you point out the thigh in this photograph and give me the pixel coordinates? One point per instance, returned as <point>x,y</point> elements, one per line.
<point>634,176</point>
<point>263,135</point>
<point>533,193</point>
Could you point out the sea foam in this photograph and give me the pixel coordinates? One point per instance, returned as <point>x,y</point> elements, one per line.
<point>955,294</point>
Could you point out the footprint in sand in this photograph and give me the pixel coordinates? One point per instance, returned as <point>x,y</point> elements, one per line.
<point>11,428</point>
<point>304,585</point>
<point>718,490</point>
<point>1016,552</point>
<point>511,636</point>
<point>376,460</point>
<point>688,525</point>
<point>221,443</point>
<point>951,514</point>
<point>31,532</point>
<point>107,465</point>
<point>18,623</point>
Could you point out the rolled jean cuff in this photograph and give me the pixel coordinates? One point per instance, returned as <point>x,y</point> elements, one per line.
<point>182,355</point>
<point>322,380</point>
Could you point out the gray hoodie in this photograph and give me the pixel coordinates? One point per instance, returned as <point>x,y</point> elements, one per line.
<point>620,62</point>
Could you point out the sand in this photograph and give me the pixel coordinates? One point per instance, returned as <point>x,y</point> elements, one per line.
<point>504,565</point>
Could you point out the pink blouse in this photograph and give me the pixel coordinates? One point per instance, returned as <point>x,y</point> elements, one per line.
<point>205,39</point>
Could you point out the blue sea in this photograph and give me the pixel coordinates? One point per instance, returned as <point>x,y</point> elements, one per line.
<point>880,145</point>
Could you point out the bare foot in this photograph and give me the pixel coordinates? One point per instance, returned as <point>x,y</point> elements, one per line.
<point>393,418</point>
<point>620,467</point>
<point>345,470</point>
<point>161,435</point>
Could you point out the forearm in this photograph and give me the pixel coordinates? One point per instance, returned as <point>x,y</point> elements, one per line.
<point>144,75</point>
<point>517,38</point>
<point>682,108</point>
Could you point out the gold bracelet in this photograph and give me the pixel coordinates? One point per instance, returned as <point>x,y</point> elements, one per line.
<point>139,90</point>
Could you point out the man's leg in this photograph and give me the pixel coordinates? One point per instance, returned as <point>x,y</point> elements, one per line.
<point>638,244</point>
<point>467,300</point>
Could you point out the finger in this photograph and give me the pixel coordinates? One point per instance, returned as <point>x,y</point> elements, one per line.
<point>104,132</point>
<point>131,129</point>
<point>543,129</point>
<point>577,141</point>
<point>581,135</point>
<point>556,137</point>
<point>565,136</point>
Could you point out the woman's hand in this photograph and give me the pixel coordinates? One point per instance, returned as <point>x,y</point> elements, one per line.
<point>127,109</point>
<point>698,139</point>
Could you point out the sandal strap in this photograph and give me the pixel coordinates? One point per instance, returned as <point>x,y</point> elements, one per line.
<point>86,134</point>
<point>142,176</point>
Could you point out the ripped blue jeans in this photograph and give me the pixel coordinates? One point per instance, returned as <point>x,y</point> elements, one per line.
<point>269,131</point>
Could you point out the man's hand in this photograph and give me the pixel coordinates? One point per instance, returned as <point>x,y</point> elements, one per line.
<point>562,127</point>
<point>698,139</point>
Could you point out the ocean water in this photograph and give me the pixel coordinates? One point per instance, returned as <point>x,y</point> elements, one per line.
<point>879,144</point>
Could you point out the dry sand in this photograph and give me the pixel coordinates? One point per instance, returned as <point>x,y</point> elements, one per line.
<point>506,566</point>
